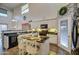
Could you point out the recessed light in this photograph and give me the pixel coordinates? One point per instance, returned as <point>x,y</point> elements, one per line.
<point>14,20</point>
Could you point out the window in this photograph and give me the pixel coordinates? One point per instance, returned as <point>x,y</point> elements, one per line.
<point>24,9</point>
<point>3,12</point>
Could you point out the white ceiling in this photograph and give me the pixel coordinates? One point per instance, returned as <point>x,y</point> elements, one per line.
<point>11,5</point>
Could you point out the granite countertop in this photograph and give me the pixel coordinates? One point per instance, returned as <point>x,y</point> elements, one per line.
<point>39,39</point>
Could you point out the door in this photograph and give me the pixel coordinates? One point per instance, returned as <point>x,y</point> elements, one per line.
<point>64,33</point>
<point>63,40</point>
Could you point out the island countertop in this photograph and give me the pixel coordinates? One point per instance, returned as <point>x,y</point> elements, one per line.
<point>33,38</point>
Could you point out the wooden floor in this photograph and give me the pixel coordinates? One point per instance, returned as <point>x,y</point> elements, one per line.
<point>57,50</point>
<point>54,50</point>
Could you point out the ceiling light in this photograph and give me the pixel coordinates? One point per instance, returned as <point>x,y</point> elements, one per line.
<point>14,20</point>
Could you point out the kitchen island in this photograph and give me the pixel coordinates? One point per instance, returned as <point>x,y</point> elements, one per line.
<point>33,45</point>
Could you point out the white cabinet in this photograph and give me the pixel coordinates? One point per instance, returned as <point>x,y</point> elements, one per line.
<point>53,39</point>
<point>6,43</point>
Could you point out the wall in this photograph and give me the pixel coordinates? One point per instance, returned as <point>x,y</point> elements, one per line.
<point>39,11</point>
<point>6,20</point>
<point>44,10</point>
<point>51,23</point>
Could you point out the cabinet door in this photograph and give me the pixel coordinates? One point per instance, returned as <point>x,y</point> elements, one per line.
<point>53,39</point>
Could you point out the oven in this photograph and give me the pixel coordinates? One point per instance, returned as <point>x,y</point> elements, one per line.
<point>10,40</point>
